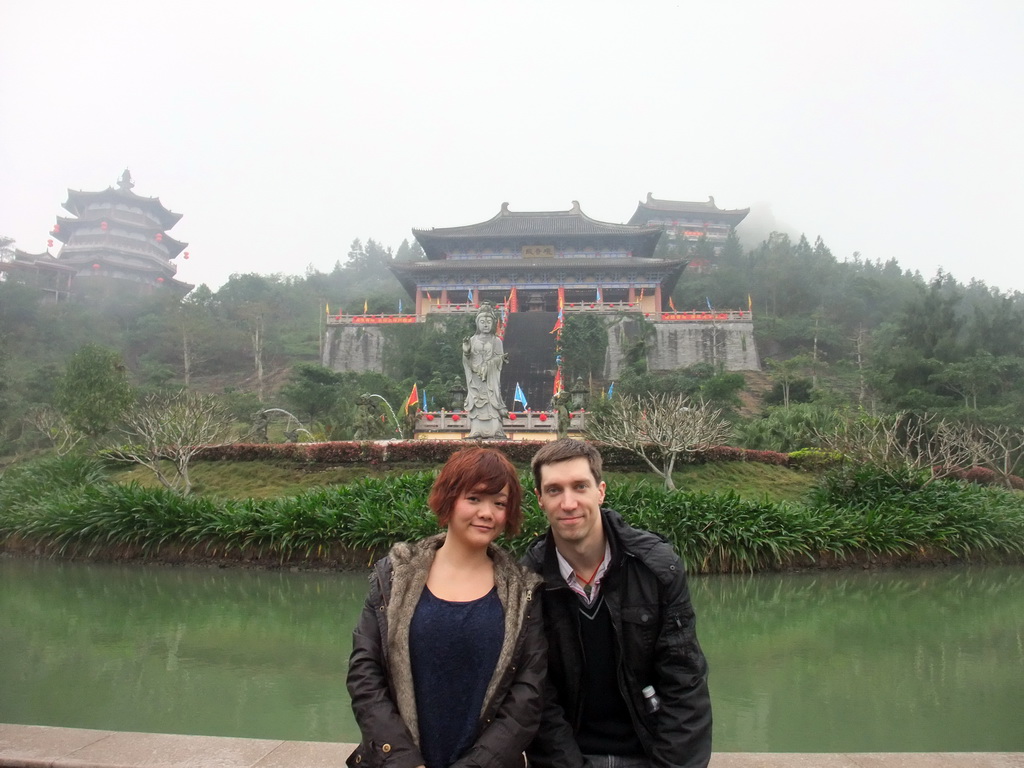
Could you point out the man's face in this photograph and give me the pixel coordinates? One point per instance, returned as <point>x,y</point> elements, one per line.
<point>571,499</point>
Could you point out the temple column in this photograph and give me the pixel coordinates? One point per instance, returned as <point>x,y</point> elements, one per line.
<point>444,295</point>
<point>632,294</point>
<point>657,298</point>
<point>419,301</point>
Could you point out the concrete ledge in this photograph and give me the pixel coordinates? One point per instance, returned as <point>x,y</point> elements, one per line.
<point>37,746</point>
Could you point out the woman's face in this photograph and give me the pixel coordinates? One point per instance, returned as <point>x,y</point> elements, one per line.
<point>484,323</point>
<point>478,518</point>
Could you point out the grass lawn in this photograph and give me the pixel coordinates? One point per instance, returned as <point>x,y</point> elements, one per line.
<point>261,479</point>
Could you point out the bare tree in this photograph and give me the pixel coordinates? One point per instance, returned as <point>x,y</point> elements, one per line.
<point>1001,449</point>
<point>660,429</point>
<point>172,429</point>
<point>903,441</point>
<point>61,433</point>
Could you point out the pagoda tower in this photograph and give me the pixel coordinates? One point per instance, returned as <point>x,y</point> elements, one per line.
<point>117,236</point>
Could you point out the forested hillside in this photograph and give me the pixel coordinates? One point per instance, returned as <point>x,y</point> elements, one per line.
<point>831,333</point>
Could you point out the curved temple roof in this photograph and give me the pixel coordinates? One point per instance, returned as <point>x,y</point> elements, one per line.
<point>733,216</point>
<point>536,226</point>
<point>79,201</point>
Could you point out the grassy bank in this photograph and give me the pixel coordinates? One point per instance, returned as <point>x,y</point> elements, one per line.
<point>268,479</point>
<point>73,506</point>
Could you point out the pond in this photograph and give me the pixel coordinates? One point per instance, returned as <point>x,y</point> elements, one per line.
<point>845,661</point>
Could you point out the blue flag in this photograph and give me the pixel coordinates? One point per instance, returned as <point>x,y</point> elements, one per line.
<point>610,388</point>
<point>519,397</point>
<point>425,399</point>
<point>469,296</point>
<point>708,300</point>
<point>399,306</point>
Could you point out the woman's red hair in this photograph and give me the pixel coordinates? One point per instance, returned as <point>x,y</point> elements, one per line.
<point>484,470</point>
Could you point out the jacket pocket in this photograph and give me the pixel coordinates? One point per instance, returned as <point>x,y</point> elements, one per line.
<point>639,631</point>
<point>365,756</point>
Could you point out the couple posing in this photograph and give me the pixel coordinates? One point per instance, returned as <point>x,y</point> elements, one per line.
<point>584,655</point>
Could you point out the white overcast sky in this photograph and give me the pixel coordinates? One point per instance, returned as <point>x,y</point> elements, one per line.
<point>282,131</point>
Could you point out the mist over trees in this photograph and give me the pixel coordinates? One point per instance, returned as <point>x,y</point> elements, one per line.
<point>836,334</point>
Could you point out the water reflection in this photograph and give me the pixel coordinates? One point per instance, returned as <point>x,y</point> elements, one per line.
<point>929,659</point>
<point>909,660</point>
<point>199,651</point>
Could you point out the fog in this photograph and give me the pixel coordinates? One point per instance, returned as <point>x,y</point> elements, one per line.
<point>282,132</point>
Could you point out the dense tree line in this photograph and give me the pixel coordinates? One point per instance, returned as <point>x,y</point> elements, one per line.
<point>836,334</point>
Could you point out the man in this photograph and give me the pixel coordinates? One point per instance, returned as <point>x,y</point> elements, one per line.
<point>618,618</point>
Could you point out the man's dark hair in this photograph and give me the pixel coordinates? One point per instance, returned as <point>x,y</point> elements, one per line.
<point>562,450</point>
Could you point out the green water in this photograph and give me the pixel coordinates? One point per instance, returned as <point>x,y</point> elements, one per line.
<point>914,660</point>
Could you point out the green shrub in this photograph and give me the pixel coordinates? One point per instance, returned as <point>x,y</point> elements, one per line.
<point>854,511</point>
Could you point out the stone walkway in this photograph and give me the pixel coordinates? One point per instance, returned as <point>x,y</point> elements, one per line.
<point>35,746</point>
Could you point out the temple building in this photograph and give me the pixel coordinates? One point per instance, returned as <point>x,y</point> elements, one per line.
<point>684,223</point>
<point>42,271</point>
<point>538,268</point>
<point>545,255</point>
<point>112,237</point>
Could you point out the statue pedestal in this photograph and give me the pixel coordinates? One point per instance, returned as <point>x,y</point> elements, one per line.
<point>520,425</point>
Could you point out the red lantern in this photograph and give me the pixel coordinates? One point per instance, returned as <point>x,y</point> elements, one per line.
<point>455,417</point>
<point>95,266</point>
<point>159,279</point>
<point>56,228</point>
<point>159,236</point>
<point>512,417</point>
<point>49,243</point>
<point>543,417</point>
<point>103,226</point>
<point>186,254</point>
<point>430,417</point>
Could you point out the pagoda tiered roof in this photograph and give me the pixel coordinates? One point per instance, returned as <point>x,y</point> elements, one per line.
<point>67,228</point>
<point>79,202</point>
<point>708,209</point>
<point>548,227</point>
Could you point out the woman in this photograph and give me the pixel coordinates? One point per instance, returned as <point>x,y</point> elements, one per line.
<point>482,357</point>
<point>448,660</point>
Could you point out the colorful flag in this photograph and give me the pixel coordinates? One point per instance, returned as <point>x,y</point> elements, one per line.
<point>708,300</point>
<point>599,299</point>
<point>611,388</point>
<point>671,304</point>
<point>399,306</point>
<point>558,382</point>
<point>750,304</point>
<point>561,297</point>
<point>425,400</point>
<point>428,296</point>
<point>327,308</point>
<point>513,301</point>
<point>519,397</point>
<point>414,399</point>
<point>641,293</point>
<point>469,296</point>
<point>365,307</point>
<point>558,324</point>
